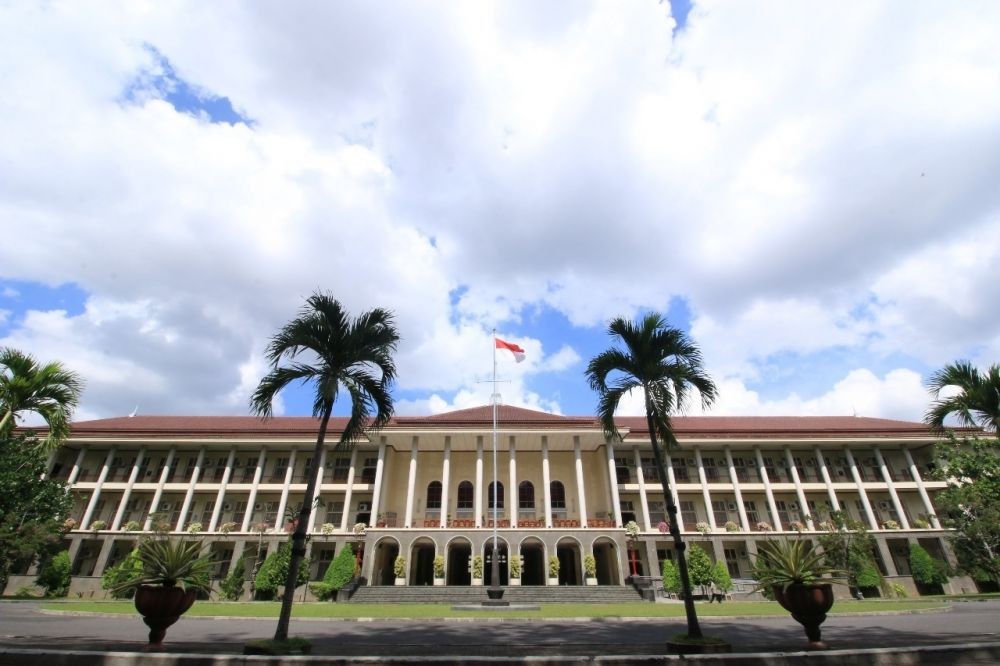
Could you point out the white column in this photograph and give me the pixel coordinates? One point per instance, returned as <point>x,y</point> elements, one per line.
<point>189,495</point>
<point>706,495</point>
<point>513,497</point>
<point>546,482</point>
<point>349,493</point>
<point>893,495</point>
<point>924,497</point>
<point>75,472</point>
<point>97,488</point>
<point>479,483</point>
<point>872,522</point>
<point>825,473</point>
<point>220,497</point>
<point>377,490</point>
<point>772,507</point>
<point>641,478</point>
<point>616,502</point>
<point>51,458</point>
<point>446,482</point>
<point>286,486</point>
<point>799,492</point>
<point>252,499</point>
<point>411,483</point>
<point>581,490</point>
<point>737,493</point>
<point>154,507</point>
<point>116,525</point>
<point>669,464</point>
<point>320,471</point>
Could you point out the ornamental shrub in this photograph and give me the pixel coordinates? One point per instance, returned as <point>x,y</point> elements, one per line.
<point>231,587</point>
<point>590,566</point>
<point>699,566</point>
<point>439,566</point>
<point>671,577</point>
<point>399,567</point>
<point>274,572</point>
<point>721,577</point>
<point>54,575</point>
<point>129,568</point>
<point>515,566</point>
<point>925,569</point>
<point>553,567</point>
<point>338,574</point>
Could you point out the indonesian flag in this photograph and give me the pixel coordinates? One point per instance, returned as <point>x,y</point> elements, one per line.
<point>512,348</point>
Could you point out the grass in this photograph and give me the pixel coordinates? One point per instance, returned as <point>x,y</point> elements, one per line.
<point>267,609</point>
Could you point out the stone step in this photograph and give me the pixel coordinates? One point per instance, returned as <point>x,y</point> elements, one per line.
<point>468,594</point>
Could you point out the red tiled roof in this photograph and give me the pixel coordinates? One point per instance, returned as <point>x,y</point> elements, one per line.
<point>690,426</point>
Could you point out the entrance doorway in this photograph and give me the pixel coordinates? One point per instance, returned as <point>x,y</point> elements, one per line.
<point>422,564</point>
<point>488,562</point>
<point>459,558</point>
<point>533,569</point>
<point>385,557</point>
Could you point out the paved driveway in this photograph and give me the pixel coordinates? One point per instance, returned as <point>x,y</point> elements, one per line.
<point>22,624</point>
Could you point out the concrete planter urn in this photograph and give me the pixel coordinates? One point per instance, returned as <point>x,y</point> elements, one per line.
<point>591,580</point>
<point>438,581</point>
<point>553,581</point>
<point>400,581</point>
<point>808,605</point>
<point>515,582</point>
<point>477,582</point>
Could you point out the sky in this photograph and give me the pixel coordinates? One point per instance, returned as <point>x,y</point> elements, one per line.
<point>809,189</point>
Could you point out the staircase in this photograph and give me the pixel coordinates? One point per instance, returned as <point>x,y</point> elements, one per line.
<point>463,594</point>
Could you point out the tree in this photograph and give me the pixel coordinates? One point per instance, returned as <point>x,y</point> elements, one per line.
<point>665,365</point>
<point>48,390</point>
<point>32,509</point>
<point>700,567</point>
<point>721,577</point>
<point>232,585</point>
<point>355,354</point>
<point>847,547</point>
<point>54,575</point>
<point>970,505</point>
<point>128,569</point>
<point>338,574</point>
<point>274,572</point>
<point>925,569</point>
<point>977,404</point>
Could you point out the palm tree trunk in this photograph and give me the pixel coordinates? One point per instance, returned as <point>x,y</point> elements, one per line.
<point>694,629</point>
<point>299,536</point>
<point>6,417</point>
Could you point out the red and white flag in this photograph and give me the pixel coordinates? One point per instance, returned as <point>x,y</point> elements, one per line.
<point>512,348</point>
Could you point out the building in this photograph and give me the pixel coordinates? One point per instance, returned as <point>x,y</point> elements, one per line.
<point>423,486</point>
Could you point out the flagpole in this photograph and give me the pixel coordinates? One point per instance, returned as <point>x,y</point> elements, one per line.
<point>495,570</point>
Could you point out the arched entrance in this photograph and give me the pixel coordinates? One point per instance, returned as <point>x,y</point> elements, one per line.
<point>386,552</point>
<point>459,558</point>
<point>422,562</point>
<point>606,555</point>
<point>570,562</point>
<point>488,561</point>
<point>533,568</point>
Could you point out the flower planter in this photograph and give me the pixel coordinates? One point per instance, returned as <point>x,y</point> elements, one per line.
<point>477,582</point>
<point>400,581</point>
<point>808,605</point>
<point>515,582</point>
<point>438,581</point>
<point>591,580</point>
<point>160,607</point>
<point>553,581</point>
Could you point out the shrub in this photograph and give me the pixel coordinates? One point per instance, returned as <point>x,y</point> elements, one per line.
<point>194,528</point>
<point>921,524</point>
<point>703,527</point>
<point>553,567</point>
<point>721,577</point>
<point>338,574</point>
<point>868,575</point>
<point>699,566</point>
<point>890,525</point>
<point>515,566</point>
<point>132,526</point>
<point>925,569</point>
<point>439,566</point>
<point>327,529</point>
<point>98,525</point>
<point>590,566</point>
<point>399,567</point>
<point>477,566</point>
<point>54,575</point>
<point>226,528</point>
<point>231,587</point>
<point>128,569</point>
<point>731,526</point>
<point>671,577</point>
<point>274,572</point>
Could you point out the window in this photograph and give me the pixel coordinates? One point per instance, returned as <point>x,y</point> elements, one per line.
<point>649,470</point>
<point>752,516</point>
<point>526,495</point>
<point>368,470</point>
<point>434,495</point>
<point>335,513</point>
<point>280,467</point>
<point>499,495</point>
<point>557,494</point>
<point>622,470</point>
<point>688,514</point>
<point>465,497</point>
<point>719,509</point>
<point>711,473</point>
<point>341,468</point>
<point>657,513</point>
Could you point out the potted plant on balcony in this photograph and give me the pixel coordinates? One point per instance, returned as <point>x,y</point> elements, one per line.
<point>732,526</point>
<point>792,570</point>
<point>590,568</point>
<point>399,568</point>
<point>477,570</point>
<point>515,569</point>
<point>553,570</point>
<point>439,570</point>
<point>172,575</point>
<point>226,528</point>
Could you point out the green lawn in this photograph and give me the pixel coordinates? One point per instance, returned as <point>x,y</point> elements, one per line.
<point>433,611</point>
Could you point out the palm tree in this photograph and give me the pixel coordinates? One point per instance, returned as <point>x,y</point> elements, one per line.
<point>665,365</point>
<point>976,405</point>
<point>355,355</point>
<point>48,390</point>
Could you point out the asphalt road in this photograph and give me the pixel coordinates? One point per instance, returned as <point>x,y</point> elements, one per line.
<point>23,624</point>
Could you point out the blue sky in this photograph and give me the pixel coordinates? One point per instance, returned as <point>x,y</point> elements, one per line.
<point>774,179</point>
